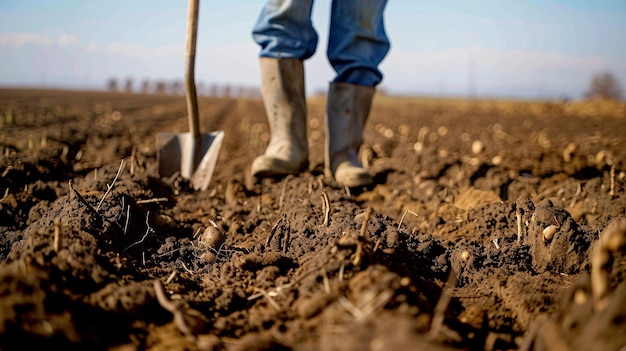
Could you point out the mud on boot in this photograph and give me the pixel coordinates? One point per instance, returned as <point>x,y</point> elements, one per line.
<point>347,110</point>
<point>282,88</point>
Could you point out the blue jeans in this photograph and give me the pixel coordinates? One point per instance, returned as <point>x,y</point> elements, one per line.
<point>357,41</point>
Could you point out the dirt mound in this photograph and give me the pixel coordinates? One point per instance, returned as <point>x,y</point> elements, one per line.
<point>493,225</point>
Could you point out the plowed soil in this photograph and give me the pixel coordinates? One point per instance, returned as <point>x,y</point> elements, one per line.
<point>493,225</point>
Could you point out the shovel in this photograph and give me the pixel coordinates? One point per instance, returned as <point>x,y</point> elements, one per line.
<point>192,154</point>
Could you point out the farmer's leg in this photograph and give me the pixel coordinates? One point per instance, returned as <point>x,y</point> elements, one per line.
<point>286,36</point>
<point>284,30</point>
<point>357,44</point>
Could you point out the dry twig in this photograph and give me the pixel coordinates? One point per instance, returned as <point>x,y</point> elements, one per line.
<point>326,281</point>
<point>272,232</point>
<point>268,297</point>
<point>6,194</point>
<point>58,240</point>
<point>148,230</point>
<point>495,243</point>
<point>6,171</point>
<point>354,311</point>
<point>154,200</point>
<point>109,187</point>
<point>612,174</point>
<point>127,219</point>
<point>363,231</point>
<point>341,270</point>
<point>402,218</point>
<point>133,159</point>
<point>272,293</point>
<point>325,207</point>
<point>518,216</point>
<point>287,236</point>
<point>171,277</point>
<point>185,268</point>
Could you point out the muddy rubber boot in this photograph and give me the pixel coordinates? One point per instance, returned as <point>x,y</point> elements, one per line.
<point>282,89</point>
<point>347,109</point>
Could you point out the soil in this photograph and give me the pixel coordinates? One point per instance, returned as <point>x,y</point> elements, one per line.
<point>493,225</point>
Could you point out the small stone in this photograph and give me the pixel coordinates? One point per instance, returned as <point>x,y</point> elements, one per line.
<point>477,147</point>
<point>212,237</point>
<point>548,232</point>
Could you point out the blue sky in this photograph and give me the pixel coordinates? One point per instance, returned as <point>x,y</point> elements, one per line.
<point>503,48</point>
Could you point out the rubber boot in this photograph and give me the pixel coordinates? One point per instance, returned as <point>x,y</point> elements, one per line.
<point>347,110</point>
<point>282,89</point>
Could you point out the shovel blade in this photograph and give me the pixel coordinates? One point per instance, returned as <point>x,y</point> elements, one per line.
<point>194,158</point>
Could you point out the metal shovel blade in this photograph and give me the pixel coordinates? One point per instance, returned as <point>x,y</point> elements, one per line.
<point>192,154</point>
<point>194,158</point>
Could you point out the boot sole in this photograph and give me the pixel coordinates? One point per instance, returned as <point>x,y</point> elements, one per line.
<point>265,167</point>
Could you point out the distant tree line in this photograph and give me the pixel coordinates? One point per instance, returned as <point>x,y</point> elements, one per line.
<point>604,86</point>
<point>177,87</point>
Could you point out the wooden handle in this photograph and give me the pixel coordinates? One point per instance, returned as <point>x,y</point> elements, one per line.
<point>190,57</point>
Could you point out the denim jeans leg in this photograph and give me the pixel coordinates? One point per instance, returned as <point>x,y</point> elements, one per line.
<point>357,41</point>
<point>284,30</point>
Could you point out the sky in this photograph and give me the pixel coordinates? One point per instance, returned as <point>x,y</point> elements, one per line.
<point>485,48</point>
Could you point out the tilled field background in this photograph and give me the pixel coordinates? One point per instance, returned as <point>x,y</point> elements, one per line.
<point>495,225</point>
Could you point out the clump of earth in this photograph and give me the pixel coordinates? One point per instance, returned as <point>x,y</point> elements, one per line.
<point>493,225</point>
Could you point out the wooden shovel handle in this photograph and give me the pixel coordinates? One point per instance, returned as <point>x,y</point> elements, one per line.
<point>190,57</point>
